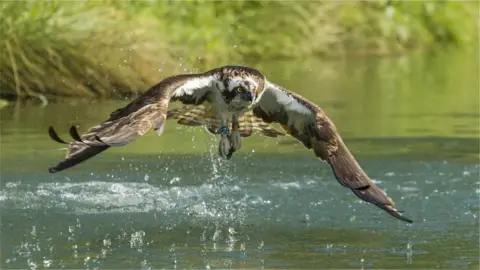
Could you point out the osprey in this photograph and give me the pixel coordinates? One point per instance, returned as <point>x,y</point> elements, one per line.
<point>231,101</point>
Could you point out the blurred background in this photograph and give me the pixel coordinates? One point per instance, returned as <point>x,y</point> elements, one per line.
<point>400,80</point>
<point>114,48</point>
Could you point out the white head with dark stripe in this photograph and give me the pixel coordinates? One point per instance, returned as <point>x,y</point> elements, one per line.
<point>239,86</point>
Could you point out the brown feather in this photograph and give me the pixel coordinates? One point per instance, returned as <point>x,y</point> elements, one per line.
<point>321,136</point>
<point>126,124</point>
<point>204,115</point>
<point>150,110</point>
<point>77,152</point>
<point>246,124</point>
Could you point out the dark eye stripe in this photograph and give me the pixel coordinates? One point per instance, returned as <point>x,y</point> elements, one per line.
<point>229,95</point>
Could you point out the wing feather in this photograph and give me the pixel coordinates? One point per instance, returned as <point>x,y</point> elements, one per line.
<point>308,123</point>
<point>246,124</point>
<point>135,119</point>
<point>204,115</point>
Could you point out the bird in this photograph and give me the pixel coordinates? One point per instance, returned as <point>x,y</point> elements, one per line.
<point>232,102</point>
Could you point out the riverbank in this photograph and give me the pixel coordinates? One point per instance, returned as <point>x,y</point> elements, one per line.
<point>115,49</point>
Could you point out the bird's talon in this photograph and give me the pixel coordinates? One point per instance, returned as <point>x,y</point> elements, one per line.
<point>235,140</point>
<point>230,153</point>
<point>224,147</point>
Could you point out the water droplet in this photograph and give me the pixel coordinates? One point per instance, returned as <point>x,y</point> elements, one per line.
<point>260,246</point>
<point>216,235</point>
<point>34,231</point>
<point>47,262</point>
<point>32,264</point>
<point>136,239</point>
<point>409,252</point>
<point>175,180</point>
<point>107,242</point>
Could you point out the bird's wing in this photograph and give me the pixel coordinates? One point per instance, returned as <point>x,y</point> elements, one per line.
<point>310,125</point>
<point>135,119</point>
<point>204,115</point>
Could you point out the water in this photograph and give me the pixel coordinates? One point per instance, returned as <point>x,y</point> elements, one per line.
<point>169,202</point>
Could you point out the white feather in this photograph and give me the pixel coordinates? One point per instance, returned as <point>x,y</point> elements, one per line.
<point>272,97</point>
<point>239,81</point>
<point>221,109</point>
<point>194,84</point>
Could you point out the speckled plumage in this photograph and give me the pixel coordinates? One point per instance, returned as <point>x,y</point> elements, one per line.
<point>235,96</point>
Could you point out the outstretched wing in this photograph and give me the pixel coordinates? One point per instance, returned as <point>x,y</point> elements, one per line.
<point>310,125</point>
<point>134,120</point>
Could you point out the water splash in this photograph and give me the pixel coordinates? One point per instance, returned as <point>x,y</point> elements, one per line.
<point>409,252</point>
<point>136,240</point>
<point>106,246</point>
<point>173,256</point>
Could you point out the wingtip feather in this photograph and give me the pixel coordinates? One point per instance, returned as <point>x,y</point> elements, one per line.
<point>396,213</point>
<point>54,136</point>
<point>378,197</point>
<point>74,133</point>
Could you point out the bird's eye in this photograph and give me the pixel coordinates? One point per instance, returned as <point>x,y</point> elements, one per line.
<point>239,89</point>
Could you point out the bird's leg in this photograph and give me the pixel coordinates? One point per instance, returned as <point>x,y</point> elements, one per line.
<point>235,139</point>
<point>224,147</point>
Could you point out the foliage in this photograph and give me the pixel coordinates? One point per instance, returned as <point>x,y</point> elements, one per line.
<point>79,49</point>
<point>114,48</point>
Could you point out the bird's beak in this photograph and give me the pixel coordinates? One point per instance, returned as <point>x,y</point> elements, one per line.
<point>248,96</point>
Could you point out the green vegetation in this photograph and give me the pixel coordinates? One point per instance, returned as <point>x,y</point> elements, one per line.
<point>3,103</point>
<point>116,48</point>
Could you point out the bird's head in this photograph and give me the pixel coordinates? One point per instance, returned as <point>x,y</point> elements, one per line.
<point>240,86</point>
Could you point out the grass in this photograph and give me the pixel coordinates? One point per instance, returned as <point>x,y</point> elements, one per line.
<point>117,48</point>
<point>75,49</point>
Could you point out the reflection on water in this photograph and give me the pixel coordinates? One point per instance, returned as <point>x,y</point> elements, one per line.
<point>169,202</point>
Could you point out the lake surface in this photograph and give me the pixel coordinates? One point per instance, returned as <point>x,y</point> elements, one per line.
<point>169,202</point>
